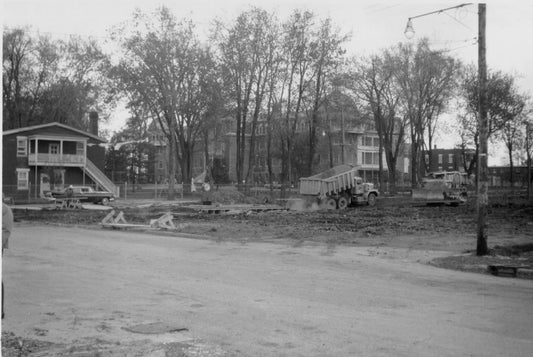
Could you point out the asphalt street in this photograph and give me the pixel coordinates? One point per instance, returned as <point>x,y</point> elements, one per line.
<point>258,299</point>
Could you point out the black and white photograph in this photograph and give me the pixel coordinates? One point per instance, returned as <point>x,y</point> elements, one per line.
<point>253,178</point>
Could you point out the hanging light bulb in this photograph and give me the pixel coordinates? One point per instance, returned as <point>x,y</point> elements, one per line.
<point>409,30</point>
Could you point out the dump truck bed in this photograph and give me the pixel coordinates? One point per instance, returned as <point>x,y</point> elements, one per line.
<point>334,180</point>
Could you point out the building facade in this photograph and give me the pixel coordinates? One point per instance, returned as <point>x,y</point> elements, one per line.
<point>51,156</point>
<point>447,160</point>
<point>500,176</point>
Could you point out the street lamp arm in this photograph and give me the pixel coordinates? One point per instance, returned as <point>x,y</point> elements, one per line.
<point>410,31</point>
<point>439,11</point>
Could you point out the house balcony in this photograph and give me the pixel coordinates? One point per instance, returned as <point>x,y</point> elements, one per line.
<point>47,159</point>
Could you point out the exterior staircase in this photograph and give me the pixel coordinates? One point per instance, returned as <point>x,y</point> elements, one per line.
<point>100,178</point>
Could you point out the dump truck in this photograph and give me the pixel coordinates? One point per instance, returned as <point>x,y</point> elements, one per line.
<point>442,187</point>
<point>338,187</point>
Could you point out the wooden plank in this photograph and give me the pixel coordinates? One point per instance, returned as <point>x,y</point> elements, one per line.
<point>126,225</point>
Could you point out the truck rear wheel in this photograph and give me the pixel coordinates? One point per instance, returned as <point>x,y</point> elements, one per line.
<point>343,202</point>
<point>371,199</point>
<point>331,203</point>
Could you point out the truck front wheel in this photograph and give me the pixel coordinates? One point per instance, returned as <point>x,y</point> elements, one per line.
<point>371,199</point>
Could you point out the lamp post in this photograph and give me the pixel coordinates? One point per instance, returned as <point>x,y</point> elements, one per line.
<point>409,30</point>
<point>482,167</point>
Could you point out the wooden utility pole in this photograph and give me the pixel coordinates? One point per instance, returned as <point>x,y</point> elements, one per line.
<point>528,153</point>
<point>482,176</point>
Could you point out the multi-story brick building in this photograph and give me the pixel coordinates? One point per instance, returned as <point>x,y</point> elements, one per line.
<point>160,162</point>
<point>447,160</point>
<point>500,176</point>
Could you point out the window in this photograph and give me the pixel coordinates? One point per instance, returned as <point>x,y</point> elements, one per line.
<point>440,158</point>
<point>376,142</point>
<point>426,158</point>
<point>367,141</point>
<point>53,149</point>
<point>370,158</point>
<point>22,146</point>
<point>79,149</point>
<point>450,158</point>
<point>23,179</point>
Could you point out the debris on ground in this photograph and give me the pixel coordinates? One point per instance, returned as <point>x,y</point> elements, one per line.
<point>395,225</point>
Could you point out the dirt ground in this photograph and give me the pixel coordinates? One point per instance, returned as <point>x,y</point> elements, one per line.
<point>449,230</point>
<point>441,228</point>
<point>73,291</point>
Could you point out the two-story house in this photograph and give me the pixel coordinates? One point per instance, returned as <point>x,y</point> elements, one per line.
<point>51,156</point>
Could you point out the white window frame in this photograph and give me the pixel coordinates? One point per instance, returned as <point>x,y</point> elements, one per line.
<point>370,158</point>
<point>23,179</point>
<point>80,148</point>
<point>440,158</point>
<point>22,146</point>
<point>368,141</point>
<point>53,145</point>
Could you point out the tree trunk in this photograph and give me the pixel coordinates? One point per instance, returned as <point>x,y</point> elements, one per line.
<point>414,163</point>
<point>511,175</point>
<point>172,161</point>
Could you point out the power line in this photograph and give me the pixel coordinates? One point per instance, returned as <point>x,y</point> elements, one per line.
<point>459,22</point>
<point>383,8</point>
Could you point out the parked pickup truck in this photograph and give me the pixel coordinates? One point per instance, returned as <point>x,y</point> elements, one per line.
<point>85,194</point>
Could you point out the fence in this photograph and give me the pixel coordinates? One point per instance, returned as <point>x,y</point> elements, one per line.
<point>183,191</point>
<point>13,194</point>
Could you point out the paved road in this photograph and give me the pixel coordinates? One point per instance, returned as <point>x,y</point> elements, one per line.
<point>260,299</point>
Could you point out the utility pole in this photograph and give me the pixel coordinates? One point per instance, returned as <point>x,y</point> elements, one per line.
<point>342,135</point>
<point>528,161</point>
<point>482,163</point>
<point>482,176</point>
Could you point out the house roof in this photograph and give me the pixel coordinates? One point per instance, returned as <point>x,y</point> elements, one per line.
<point>48,125</point>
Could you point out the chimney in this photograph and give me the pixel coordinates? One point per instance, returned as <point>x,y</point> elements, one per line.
<point>93,123</point>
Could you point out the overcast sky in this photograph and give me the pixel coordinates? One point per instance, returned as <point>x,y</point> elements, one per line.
<point>373,24</point>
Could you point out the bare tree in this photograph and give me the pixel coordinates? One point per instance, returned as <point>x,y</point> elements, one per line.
<point>326,56</point>
<point>373,82</point>
<point>46,80</point>
<point>170,72</point>
<point>246,50</point>
<point>16,49</point>
<point>427,79</point>
<point>298,34</point>
<point>504,106</point>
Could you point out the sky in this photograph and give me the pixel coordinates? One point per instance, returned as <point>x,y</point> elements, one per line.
<point>373,25</point>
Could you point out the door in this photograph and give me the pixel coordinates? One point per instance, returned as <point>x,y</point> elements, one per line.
<point>53,152</point>
<point>44,184</point>
<point>59,179</point>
